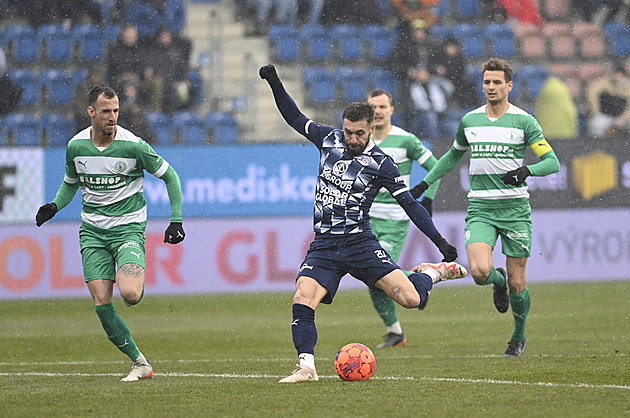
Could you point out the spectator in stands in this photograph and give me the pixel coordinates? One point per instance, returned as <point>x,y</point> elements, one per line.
<point>430,96</point>
<point>134,118</point>
<point>168,60</point>
<point>609,103</point>
<point>410,10</point>
<point>269,12</point>
<point>415,46</point>
<point>354,12</point>
<point>125,59</point>
<point>452,67</point>
<point>39,12</point>
<point>11,92</point>
<point>556,111</point>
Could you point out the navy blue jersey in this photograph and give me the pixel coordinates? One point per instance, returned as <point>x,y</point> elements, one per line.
<point>346,184</point>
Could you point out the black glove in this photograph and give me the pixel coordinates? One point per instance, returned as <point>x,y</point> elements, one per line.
<point>174,233</point>
<point>268,72</point>
<point>516,177</point>
<point>448,251</point>
<point>45,213</point>
<point>417,191</point>
<point>428,205</point>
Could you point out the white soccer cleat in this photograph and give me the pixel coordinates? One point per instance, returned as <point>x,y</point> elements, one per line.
<point>140,370</point>
<point>301,374</point>
<point>444,271</point>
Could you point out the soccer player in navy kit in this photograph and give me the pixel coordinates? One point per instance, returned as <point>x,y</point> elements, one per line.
<point>351,172</point>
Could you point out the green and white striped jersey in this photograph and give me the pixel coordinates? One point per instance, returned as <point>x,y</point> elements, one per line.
<point>404,148</point>
<point>111,179</point>
<point>496,147</point>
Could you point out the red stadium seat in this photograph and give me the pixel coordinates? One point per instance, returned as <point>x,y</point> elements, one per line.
<point>590,40</point>
<point>531,41</point>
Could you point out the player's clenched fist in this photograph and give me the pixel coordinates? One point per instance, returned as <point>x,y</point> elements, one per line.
<point>174,233</point>
<point>45,213</point>
<point>268,72</point>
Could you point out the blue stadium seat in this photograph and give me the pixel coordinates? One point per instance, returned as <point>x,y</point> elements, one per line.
<point>284,42</point>
<point>57,87</point>
<point>57,43</point>
<point>320,85</point>
<point>174,14</point>
<point>440,32</point>
<point>189,127</point>
<point>91,45</point>
<point>500,39</point>
<point>533,76</point>
<point>79,75</point>
<point>112,34</point>
<point>145,16</point>
<point>195,78</point>
<point>57,129</point>
<point>381,78</point>
<point>380,41</point>
<point>3,137</point>
<point>22,43</point>
<point>469,37</point>
<point>161,125</point>
<point>618,39</point>
<point>317,42</point>
<point>222,126</point>
<point>23,128</point>
<point>30,82</point>
<point>350,81</point>
<point>467,9</point>
<point>347,41</point>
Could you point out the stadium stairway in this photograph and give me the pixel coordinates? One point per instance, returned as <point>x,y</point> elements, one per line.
<point>229,62</point>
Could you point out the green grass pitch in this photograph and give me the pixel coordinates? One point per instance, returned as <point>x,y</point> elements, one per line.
<point>222,355</point>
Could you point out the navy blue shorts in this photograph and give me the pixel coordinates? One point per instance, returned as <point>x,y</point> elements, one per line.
<point>329,258</point>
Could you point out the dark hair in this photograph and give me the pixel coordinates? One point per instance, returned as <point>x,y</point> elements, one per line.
<point>497,64</point>
<point>99,89</point>
<point>380,92</point>
<point>359,111</point>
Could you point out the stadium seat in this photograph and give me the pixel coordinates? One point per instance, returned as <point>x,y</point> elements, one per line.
<point>317,42</point>
<point>57,129</point>
<point>90,43</point>
<point>22,44</point>
<point>189,128</point>
<point>467,9</point>
<point>591,71</point>
<point>473,71</point>
<point>531,41</point>
<point>350,81</point>
<point>145,16</point>
<point>174,14</point>
<point>195,78</point>
<point>440,32</point>
<point>500,40</point>
<point>319,84</point>
<point>381,78</point>
<point>79,75</point>
<point>112,34</point>
<point>3,136</point>
<point>31,84</point>
<point>380,41</point>
<point>533,76</point>
<point>161,125</point>
<point>56,42</point>
<point>284,42</point>
<point>618,39</point>
<point>57,87</point>
<point>554,9</point>
<point>23,129</point>
<point>347,42</point>
<point>222,126</point>
<point>590,39</point>
<point>560,39</point>
<point>470,39</point>
<point>569,74</point>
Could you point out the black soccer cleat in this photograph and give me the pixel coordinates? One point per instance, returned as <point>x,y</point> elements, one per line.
<point>501,298</point>
<point>393,340</point>
<point>515,348</point>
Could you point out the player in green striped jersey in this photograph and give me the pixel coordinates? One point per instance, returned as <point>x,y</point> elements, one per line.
<point>497,135</point>
<point>389,221</point>
<point>107,163</point>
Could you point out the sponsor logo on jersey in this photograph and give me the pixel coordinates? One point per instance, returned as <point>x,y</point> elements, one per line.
<point>364,160</point>
<point>340,167</point>
<point>517,234</point>
<point>121,167</point>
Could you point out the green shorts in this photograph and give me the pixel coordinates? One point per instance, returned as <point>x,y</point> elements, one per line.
<point>513,224</point>
<point>391,234</point>
<point>102,250</point>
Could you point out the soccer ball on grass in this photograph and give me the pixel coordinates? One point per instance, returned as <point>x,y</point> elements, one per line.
<point>355,362</point>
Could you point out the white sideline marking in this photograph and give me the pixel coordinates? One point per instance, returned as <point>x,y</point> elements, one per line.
<point>398,378</point>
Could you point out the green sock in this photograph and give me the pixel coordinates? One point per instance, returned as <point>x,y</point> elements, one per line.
<point>385,306</point>
<point>520,308</point>
<point>494,278</point>
<point>116,330</point>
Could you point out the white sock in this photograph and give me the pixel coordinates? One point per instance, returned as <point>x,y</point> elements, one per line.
<point>395,328</point>
<point>431,273</point>
<point>307,360</point>
<point>141,359</point>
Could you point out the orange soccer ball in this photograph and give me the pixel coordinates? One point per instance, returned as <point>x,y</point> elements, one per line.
<point>355,362</point>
